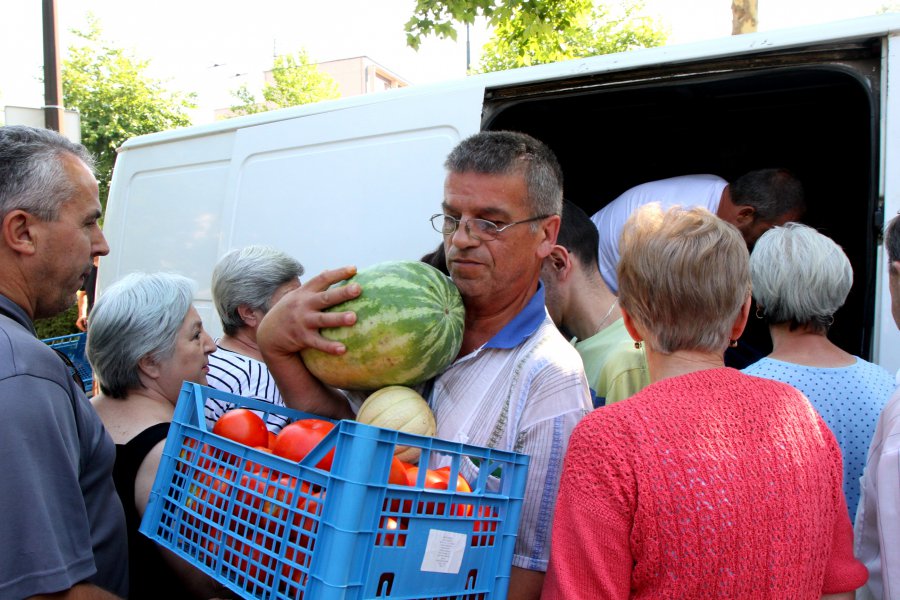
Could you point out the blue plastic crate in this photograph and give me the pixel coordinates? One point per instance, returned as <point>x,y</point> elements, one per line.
<point>73,347</point>
<point>267,527</point>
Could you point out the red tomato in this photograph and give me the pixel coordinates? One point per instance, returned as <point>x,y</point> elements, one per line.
<point>247,558</point>
<point>272,438</point>
<point>242,426</point>
<point>297,439</point>
<point>439,479</point>
<point>392,524</point>
<point>486,528</point>
<point>305,525</point>
<point>398,475</point>
<point>461,484</point>
<point>209,493</point>
<point>255,467</point>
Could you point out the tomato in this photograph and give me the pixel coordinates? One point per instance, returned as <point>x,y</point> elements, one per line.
<point>253,466</point>
<point>486,528</point>
<point>209,494</point>
<point>297,439</point>
<point>392,524</point>
<point>461,484</point>
<point>304,525</point>
<point>247,558</point>
<point>398,475</point>
<point>439,479</point>
<point>272,438</point>
<point>242,426</point>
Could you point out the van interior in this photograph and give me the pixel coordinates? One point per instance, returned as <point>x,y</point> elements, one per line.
<point>814,111</point>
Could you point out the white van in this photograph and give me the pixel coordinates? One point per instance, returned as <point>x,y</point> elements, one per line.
<point>354,181</point>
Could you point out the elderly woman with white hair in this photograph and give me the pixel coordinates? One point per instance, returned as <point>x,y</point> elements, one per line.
<point>800,279</point>
<point>145,339</point>
<point>708,482</point>
<point>246,284</point>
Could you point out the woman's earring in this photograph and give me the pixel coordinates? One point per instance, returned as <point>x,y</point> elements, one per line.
<point>733,343</point>
<point>637,345</point>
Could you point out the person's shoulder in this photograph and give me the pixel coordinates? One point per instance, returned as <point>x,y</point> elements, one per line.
<point>22,353</point>
<point>765,367</point>
<point>224,358</point>
<point>890,416</point>
<point>680,181</point>
<point>771,392</point>
<point>876,371</point>
<point>548,341</point>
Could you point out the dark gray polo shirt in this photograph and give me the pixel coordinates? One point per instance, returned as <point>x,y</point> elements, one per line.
<point>61,521</point>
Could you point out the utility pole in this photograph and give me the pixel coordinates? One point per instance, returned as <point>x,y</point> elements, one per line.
<point>53,109</point>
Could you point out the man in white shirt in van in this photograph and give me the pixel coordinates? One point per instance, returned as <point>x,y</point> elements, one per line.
<point>516,384</point>
<point>754,203</point>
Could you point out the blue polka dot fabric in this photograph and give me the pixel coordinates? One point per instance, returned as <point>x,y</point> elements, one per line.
<point>849,399</point>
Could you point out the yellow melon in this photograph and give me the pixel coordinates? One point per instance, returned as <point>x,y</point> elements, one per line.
<point>399,408</point>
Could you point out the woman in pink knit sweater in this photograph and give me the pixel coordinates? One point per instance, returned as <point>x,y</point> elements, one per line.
<point>708,483</point>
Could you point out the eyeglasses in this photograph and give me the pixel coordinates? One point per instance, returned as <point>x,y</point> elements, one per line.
<point>480,229</point>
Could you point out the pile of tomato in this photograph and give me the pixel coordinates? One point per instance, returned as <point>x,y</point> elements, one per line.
<point>260,504</point>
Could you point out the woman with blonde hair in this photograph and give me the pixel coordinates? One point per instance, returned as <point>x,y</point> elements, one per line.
<point>708,482</point>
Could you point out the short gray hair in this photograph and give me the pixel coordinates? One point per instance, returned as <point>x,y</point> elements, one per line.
<point>32,174</point>
<point>138,316</point>
<point>250,276</point>
<point>508,153</point>
<point>892,239</point>
<point>799,276</point>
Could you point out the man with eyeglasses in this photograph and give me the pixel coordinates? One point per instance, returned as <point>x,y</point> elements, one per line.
<point>517,384</point>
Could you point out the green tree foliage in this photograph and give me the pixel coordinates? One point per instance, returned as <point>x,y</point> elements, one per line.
<point>297,81</point>
<point>529,32</point>
<point>61,324</point>
<point>605,30</point>
<point>116,98</point>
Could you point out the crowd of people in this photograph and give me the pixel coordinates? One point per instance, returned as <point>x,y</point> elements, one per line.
<point>594,346</point>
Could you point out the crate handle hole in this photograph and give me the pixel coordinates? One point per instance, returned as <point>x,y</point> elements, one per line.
<point>385,584</point>
<point>471,579</point>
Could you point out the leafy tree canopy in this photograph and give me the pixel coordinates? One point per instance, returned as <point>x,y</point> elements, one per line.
<point>529,32</point>
<point>116,98</point>
<point>295,80</point>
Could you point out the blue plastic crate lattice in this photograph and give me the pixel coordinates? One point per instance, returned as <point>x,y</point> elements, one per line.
<point>73,347</point>
<point>267,527</point>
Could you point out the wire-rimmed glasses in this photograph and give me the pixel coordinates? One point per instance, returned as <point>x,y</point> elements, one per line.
<point>480,229</point>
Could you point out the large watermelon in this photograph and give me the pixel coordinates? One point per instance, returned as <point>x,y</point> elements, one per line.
<point>409,325</point>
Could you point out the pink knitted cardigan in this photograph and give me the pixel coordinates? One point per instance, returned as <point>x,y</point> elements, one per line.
<point>713,484</point>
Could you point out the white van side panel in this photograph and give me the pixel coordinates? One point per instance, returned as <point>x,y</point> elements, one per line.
<point>887,342</point>
<point>372,173</point>
<point>349,186</point>
<point>165,211</point>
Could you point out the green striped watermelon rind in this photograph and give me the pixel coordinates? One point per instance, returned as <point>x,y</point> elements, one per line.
<point>409,326</point>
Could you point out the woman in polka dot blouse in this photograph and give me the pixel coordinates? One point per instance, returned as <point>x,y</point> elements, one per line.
<point>800,279</point>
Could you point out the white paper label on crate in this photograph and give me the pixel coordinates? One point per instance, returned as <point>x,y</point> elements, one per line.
<point>444,551</point>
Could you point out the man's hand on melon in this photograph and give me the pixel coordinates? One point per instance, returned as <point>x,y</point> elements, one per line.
<point>294,322</point>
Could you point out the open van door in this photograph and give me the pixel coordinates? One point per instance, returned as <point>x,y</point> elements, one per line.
<point>887,337</point>
<point>347,182</point>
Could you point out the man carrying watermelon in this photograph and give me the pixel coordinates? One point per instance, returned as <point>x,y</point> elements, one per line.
<point>516,384</point>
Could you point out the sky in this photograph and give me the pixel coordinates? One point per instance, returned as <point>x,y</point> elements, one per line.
<point>212,47</point>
